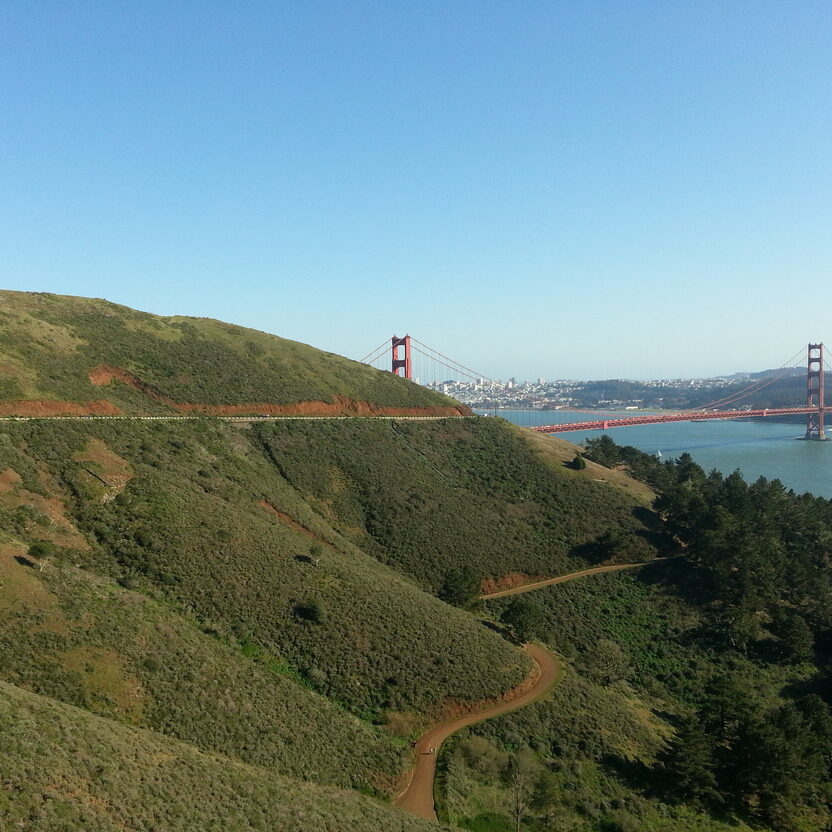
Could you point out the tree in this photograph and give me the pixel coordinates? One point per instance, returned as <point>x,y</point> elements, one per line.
<point>686,766</point>
<point>547,801</point>
<point>608,663</point>
<point>42,550</point>
<point>520,776</point>
<point>608,546</point>
<point>578,463</point>
<point>461,587</point>
<point>796,637</point>
<point>603,450</point>
<point>524,618</point>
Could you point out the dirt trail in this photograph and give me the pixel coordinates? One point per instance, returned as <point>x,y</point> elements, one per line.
<point>417,798</point>
<point>518,590</point>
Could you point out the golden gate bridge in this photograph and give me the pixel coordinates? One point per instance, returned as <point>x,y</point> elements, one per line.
<point>407,357</point>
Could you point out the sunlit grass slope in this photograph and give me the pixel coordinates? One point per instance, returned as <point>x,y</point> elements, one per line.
<point>70,349</point>
<point>87,641</point>
<point>63,768</point>
<point>205,521</point>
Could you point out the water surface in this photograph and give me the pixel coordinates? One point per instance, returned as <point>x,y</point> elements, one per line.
<point>757,449</point>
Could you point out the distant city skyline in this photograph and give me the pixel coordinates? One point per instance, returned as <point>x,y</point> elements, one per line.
<point>586,191</point>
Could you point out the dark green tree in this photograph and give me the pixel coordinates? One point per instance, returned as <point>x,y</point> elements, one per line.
<point>524,618</point>
<point>603,450</point>
<point>795,635</point>
<point>461,587</point>
<point>685,768</point>
<point>311,610</point>
<point>42,549</point>
<point>607,663</point>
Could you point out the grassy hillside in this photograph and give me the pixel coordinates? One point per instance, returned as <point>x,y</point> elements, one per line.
<point>193,611</point>
<point>475,494</point>
<point>107,358</point>
<point>87,641</point>
<point>185,577</point>
<point>63,768</point>
<point>206,522</point>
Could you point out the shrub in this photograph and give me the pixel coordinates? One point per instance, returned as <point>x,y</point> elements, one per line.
<point>311,610</point>
<point>42,549</point>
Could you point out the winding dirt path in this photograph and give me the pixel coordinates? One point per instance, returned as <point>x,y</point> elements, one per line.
<point>417,798</point>
<point>561,579</point>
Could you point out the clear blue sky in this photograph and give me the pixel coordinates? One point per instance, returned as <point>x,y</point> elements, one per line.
<point>566,189</point>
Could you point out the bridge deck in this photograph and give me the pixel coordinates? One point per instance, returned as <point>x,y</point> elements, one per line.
<point>686,416</point>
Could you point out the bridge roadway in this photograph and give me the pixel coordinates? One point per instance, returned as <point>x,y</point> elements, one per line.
<point>683,416</point>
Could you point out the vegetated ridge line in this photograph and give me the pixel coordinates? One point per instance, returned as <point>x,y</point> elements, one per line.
<point>417,798</point>
<point>519,590</point>
<point>87,418</point>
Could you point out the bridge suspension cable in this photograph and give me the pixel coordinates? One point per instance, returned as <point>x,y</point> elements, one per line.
<point>449,363</point>
<point>757,385</point>
<point>423,362</point>
<point>372,355</point>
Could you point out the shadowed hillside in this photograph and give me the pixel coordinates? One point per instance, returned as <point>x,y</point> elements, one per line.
<point>435,498</point>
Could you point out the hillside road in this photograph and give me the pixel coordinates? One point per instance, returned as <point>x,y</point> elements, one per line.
<point>417,798</point>
<point>561,579</point>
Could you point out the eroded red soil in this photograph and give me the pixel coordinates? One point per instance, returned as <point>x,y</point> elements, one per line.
<point>48,407</point>
<point>284,518</point>
<point>508,581</point>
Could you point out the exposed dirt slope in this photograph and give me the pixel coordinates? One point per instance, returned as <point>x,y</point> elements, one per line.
<point>339,406</point>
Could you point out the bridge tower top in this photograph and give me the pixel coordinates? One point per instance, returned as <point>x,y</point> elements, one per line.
<point>815,392</point>
<point>405,363</point>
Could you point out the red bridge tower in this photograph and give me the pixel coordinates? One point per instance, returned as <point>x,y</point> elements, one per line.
<point>814,392</point>
<point>402,363</point>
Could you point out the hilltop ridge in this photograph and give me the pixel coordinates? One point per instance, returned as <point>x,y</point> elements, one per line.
<point>63,355</point>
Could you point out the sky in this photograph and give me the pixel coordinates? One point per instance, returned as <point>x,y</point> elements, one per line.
<point>559,189</point>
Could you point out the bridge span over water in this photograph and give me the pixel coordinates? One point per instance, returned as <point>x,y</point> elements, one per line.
<point>399,354</point>
<point>682,416</point>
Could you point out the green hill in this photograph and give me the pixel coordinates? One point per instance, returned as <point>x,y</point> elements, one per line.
<point>432,499</point>
<point>64,769</point>
<point>87,641</point>
<point>209,524</point>
<point>207,624</point>
<point>62,354</point>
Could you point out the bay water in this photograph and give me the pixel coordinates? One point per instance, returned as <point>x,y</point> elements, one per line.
<point>757,449</point>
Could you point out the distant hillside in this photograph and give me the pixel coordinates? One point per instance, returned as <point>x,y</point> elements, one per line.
<point>787,389</point>
<point>69,355</point>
